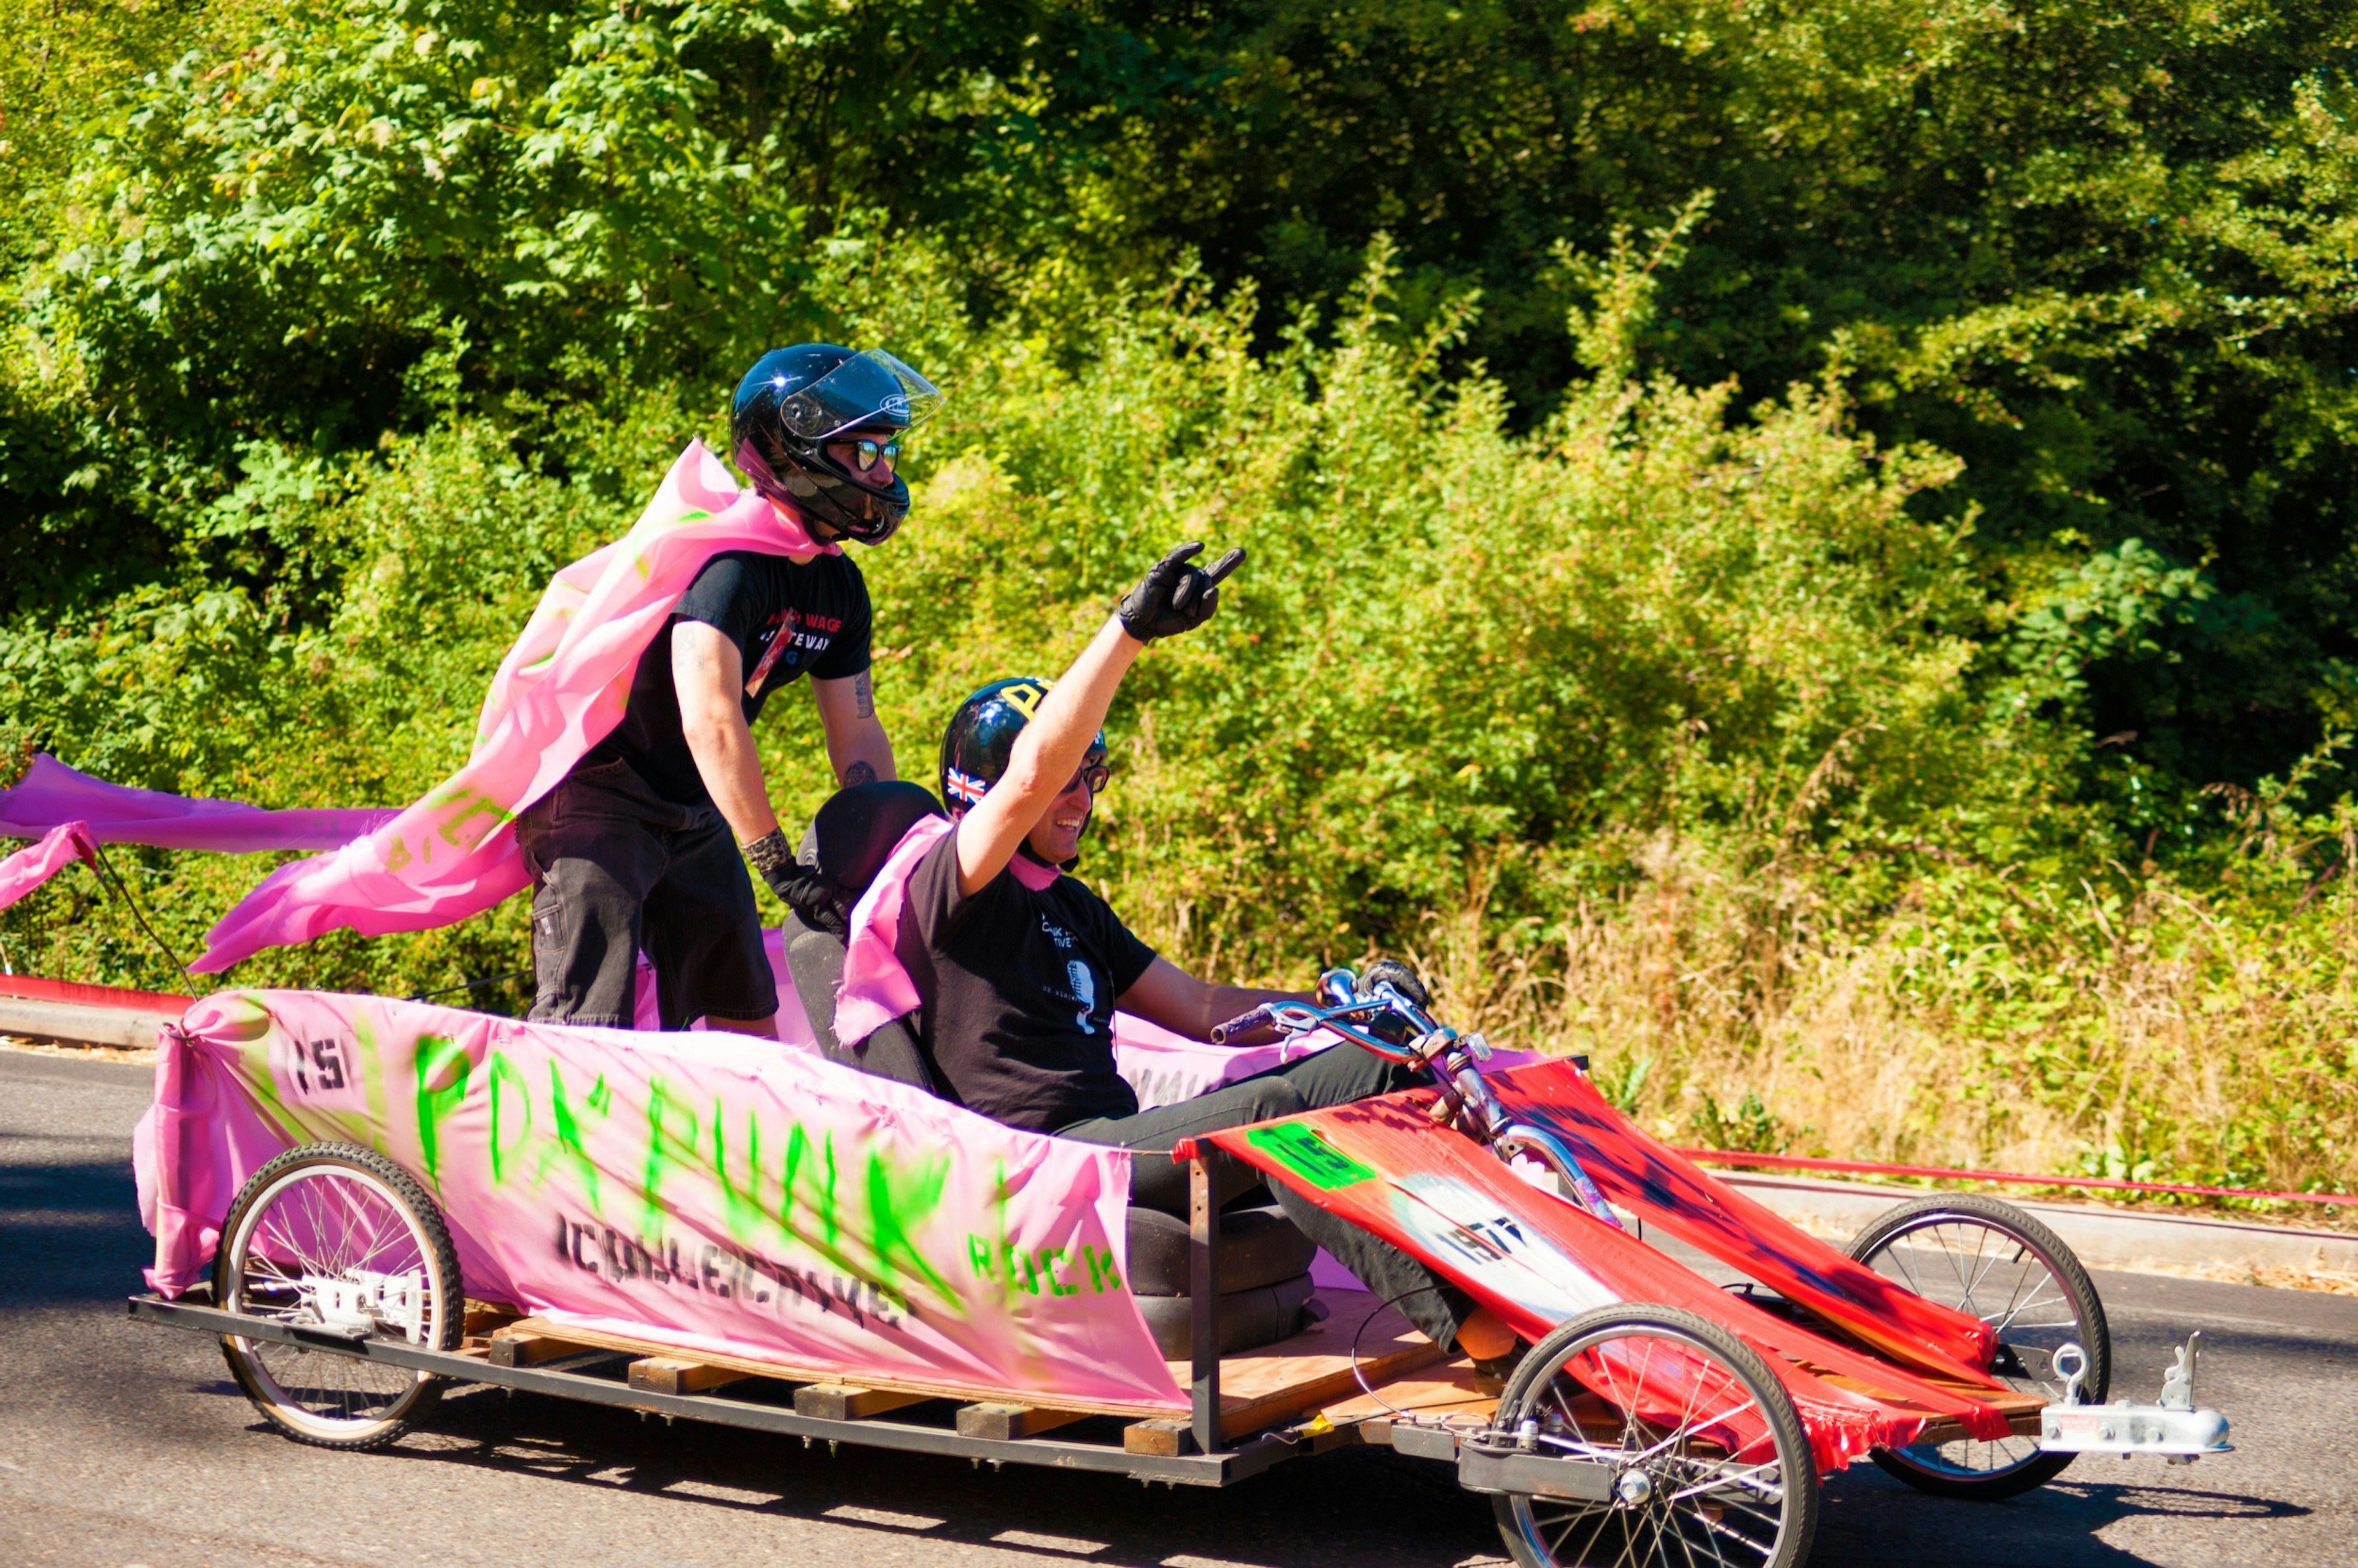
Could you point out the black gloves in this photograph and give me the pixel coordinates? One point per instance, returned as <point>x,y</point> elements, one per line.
<point>1403,979</point>
<point>1174,596</point>
<point>799,887</point>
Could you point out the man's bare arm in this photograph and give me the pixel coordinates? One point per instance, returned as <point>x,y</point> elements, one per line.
<point>710,675</point>
<point>856,745</point>
<point>1044,756</point>
<point>1169,996</point>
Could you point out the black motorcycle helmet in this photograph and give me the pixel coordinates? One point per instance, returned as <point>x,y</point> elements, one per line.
<point>789,413</point>
<point>982,732</point>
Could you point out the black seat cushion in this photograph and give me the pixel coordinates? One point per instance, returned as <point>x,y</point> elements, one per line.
<point>854,833</point>
<point>1258,1247</point>
<point>814,961</point>
<point>1249,1319</point>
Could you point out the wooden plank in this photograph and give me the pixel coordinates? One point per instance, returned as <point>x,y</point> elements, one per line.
<point>1437,1394</point>
<point>1165,1438</point>
<point>791,1372</point>
<point>485,1317</point>
<point>846,1402</point>
<point>678,1375</point>
<point>511,1348</point>
<point>1006,1422</point>
<point>1261,1387</point>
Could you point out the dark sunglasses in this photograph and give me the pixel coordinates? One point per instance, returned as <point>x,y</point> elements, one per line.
<point>866,453</point>
<point>1093,774</point>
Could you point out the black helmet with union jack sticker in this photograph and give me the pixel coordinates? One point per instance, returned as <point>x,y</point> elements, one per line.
<point>982,732</point>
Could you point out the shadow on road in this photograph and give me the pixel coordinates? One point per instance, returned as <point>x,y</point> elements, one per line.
<point>69,1234</point>
<point>1360,1506</point>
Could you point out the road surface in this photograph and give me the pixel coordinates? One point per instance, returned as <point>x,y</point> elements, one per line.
<point>123,1443</point>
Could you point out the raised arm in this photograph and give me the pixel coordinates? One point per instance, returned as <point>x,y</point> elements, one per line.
<point>1173,596</point>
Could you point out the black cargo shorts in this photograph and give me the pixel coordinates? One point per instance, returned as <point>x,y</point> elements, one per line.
<point>616,869</point>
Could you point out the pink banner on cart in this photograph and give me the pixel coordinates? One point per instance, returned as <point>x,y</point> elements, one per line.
<point>705,1190</point>
<point>51,794</point>
<point>558,693</point>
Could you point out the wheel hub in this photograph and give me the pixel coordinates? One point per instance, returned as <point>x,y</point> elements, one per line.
<point>1634,1487</point>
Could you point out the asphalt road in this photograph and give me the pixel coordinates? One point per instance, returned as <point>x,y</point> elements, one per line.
<point>125,1444</point>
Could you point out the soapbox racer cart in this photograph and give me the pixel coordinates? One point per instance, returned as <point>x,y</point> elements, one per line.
<point>1657,1418</point>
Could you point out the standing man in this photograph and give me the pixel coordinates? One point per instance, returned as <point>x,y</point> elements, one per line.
<point>638,848</point>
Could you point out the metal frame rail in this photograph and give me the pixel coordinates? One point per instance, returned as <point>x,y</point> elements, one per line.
<point>1211,1465</point>
<point>1217,1468</point>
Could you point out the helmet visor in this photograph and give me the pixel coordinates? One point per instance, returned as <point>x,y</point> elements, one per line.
<point>870,388</point>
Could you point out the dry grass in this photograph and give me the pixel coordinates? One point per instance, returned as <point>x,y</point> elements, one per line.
<point>2161,1037</point>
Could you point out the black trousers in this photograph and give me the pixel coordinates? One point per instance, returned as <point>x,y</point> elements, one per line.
<point>615,867</point>
<point>1337,1075</point>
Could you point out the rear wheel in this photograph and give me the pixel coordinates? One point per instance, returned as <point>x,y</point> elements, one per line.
<point>1989,1259</point>
<point>1709,1461</point>
<point>333,1236</point>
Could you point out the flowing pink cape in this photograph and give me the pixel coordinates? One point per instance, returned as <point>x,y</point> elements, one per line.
<point>27,868</point>
<point>51,794</point>
<point>876,987</point>
<point>558,692</point>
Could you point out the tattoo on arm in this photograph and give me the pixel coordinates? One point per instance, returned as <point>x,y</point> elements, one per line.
<point>863,695</point>
<point>859,773</point>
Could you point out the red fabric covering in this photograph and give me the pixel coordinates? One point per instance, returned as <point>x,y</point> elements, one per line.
<point>1665,1189</point>
<point>1538,1261</point>
<point>32,988</point>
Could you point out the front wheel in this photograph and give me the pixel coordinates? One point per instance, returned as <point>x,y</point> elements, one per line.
<point>1710,1463</point>
<point>333,1236</point>
<point>1989,1258</point>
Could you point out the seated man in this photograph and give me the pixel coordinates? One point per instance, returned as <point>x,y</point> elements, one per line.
<point>1020,967</point>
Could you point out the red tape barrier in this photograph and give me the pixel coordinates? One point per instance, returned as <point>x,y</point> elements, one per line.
<point>2006,1178</point>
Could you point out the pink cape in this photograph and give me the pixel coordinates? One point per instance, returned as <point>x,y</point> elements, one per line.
<point>27,868</point>
<point>876,988</point>
<point>558,692</point>
<point>51,793</point>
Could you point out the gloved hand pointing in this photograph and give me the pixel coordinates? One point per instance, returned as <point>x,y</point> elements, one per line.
<point>1174,596</point>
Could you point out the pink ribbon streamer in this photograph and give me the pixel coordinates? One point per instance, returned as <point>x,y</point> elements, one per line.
<point>559,691</point>
<point>27,868</point>
<point>51,794</point>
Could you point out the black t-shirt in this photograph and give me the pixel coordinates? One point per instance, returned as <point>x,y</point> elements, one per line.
<point>787,617</point>
<point>1019,990</point>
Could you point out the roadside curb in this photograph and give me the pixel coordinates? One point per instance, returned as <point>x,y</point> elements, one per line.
<point>2103,1237</point>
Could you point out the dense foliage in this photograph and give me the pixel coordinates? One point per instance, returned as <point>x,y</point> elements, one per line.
<point>1808,549</point>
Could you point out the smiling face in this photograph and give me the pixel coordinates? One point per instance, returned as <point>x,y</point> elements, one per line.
<point>1057,839</point>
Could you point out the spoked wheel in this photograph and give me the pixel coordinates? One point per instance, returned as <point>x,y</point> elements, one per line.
<point>1989,1259</point>
<point>336,1236</point>
<point>1709,1461</point>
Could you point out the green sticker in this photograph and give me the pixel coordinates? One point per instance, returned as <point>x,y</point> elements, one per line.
<point>1306,1154</point>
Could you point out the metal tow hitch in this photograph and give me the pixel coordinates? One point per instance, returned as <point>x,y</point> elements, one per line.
<point>2173,1429</point>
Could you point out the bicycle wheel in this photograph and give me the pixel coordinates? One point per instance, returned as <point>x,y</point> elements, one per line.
<point>332,1236</point>
<point>1987,1258</point>
<point>1711,1464</point>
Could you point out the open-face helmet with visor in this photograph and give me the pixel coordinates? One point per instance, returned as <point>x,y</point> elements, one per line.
<point>817,427</point>
<point>982,734</point>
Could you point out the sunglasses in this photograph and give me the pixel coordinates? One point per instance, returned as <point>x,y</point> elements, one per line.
<point>1094,775</point>
<point>867,452</point>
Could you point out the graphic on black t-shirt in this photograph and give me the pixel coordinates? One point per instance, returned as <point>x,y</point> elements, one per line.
<point>787,617</point>
<point>1019,990</point>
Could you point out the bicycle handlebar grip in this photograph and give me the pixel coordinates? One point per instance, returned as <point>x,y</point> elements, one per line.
<point>1243,1023</point>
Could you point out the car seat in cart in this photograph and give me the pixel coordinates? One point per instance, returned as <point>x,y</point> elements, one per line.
<point>1264,1260</point>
